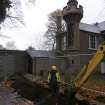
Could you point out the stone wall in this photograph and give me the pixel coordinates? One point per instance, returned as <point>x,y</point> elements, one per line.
<point>42,66</point>
<point>12,61</point>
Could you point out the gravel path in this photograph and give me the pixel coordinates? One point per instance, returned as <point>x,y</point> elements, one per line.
<point>9,97</point>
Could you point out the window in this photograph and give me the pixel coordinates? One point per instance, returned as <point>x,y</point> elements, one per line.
<point>64,26</point>
<point>41,73</point>
<point>64,43</point>
<point>92,42</point>
<point>72,61</point>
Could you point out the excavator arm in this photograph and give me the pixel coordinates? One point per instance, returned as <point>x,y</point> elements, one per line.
<point>87,70</point>
<point>84,74</point>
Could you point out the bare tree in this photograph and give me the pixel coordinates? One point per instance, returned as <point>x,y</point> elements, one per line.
<point>14,15</point>
<point>4,5</point>
<point>55,24</point>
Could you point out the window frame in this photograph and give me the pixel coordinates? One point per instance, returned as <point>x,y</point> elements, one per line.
<point>90,42</point>
<point>63,43</point>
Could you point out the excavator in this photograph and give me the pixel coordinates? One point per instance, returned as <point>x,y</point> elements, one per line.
<point>84,74</point>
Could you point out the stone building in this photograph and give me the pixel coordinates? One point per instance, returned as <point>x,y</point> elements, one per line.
<point>80,41</point>
<point>40,62</point>
<point>12,61</point>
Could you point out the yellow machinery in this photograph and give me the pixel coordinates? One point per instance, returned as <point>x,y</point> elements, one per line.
<point>84,74</point>
<point>89,68</point>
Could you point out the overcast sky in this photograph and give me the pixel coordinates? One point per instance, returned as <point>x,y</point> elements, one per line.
<point>35,18</point>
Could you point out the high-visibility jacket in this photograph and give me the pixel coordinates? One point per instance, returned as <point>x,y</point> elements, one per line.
<point>57,76</point>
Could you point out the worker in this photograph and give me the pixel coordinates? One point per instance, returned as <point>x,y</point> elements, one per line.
<point>54,80</point>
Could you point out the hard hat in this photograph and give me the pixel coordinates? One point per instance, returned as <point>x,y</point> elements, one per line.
<point>54,67</point>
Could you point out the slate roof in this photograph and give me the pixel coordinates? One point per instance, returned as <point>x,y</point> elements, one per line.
<point>89,28</point>
<point>40,53</point>
<point>95,28</point>
<point>101,26</point>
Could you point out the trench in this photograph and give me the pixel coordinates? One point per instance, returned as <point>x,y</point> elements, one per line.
<point>40,95</point>
<point>27,89</point>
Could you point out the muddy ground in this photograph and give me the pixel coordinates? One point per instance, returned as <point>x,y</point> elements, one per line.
<point>37,93</point>
<point>24,91</point>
